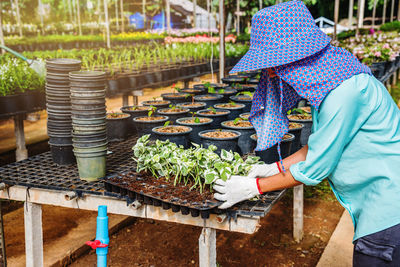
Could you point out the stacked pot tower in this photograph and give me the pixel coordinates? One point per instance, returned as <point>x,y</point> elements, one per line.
<point>88,89</point>
<point>59,124</point>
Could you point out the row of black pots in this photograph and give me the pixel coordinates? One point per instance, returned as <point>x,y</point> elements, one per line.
<point>59,123</point>
<point>22,103</point>
<point>89,123</point>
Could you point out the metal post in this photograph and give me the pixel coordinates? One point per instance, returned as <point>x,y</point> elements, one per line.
<point>260,4</point>
<point>374,13</point>
<point>1,28</point>
<point>384,11</point>
<point>392,11</point>
<point>125,100</point>
<point>194,14</point>
<point>78,12</point>
<point>122,15</point>
<point>237,17</point>
<point>298,213</point>
<point>350,18</point>
<point>208,248</point>
<point>3,255</point>
<point>20,153</point>
<point>221,40</point>
<point>18,18</point>
<point>336,19</point>
<point>33,234</point>
<point>116,14</point>
<point>107,22</point>
<point>168,11</point>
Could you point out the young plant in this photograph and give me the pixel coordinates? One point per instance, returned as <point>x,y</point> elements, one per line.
<point>152,111</point>
<point>194,116</point>
<point>213,110</point>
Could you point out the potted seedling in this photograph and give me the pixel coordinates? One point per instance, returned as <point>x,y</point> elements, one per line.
<point>136,111</point>
<point>245,115</point>
<point>233,79</point>
<point>245,98</point>
<point>234,108</point>
<point>158,103</point>
<point>306,120</point>
<point>177,134</point>
<point>117,126</point>
<point>218,116</point>
<point>192,106</point>
<point>145,124</point>
<point>175,97</point>
<point>225,92</point>
<point>295,129</point>
<point>246,129</point>
<point>197,124</point>
<point>192,91</point>
<point>271,155</point>
<point>221,138</point>
<point>173,112</point>
<point>209,99</point>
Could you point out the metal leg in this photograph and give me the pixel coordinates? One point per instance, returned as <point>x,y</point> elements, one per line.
<point>125,100</point>
<point>186,84</point>
<point>3,260</point>
<point>208,248</point>
<point>20,153</point>
<point>33,234</point>
<point>298,213</point>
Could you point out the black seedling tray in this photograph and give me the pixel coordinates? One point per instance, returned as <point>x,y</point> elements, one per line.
<point>195,209</point>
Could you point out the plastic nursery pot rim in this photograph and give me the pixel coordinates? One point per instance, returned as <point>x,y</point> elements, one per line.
<point>226,113</point>
<point>254,138</point>
<point>63,61</point>
<point>235,128</point>
<point>179,121</point>
<point>90,155</point>
<point>209,97</point>
<point>244,114</point>
<point>236,98</point>
<point>294,129</point>
<point>126,117</point>
<point>126,109</point>
<point>87,73</point>
<point>154,130</point>
<point>240,106</point>
<point>299,121</point>
<point>160,111</point>
<point>60,144</point>
<point>165,118</point>
<point>93,149</point>
<point>146,102</point>
<point>201,105</point>
<point>238,134</point>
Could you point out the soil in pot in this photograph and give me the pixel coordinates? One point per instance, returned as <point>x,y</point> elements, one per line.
<point>118,126</point>
<point>234,108</point>
<point>157,103</point>
<point>210,100</point>
<point>222,139</point>
<point>271,155</point>
<point>245,115</point>
<point>218,116</point>
<point>246,129</point>
<point>197,124</point>
<point>145,124</point>
<point>243,99</point>
<point>306,120</point>
<point>192,91</point>
<point>173,113</point>
<point>295,129</point>
<point>193,106</point>
<point>176,98</point>
<point>174,133</point>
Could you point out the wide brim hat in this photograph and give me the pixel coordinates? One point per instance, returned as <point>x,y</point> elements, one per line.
<point>280,35</point>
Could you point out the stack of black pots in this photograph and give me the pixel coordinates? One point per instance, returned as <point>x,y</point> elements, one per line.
<point>88,102</point>
<point>59,124</point>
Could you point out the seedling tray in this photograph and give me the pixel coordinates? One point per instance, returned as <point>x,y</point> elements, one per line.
<point>158,192</point>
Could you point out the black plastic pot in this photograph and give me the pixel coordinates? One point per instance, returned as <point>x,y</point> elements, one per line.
<point>197,106</point>
<point>245,144</point>
<point>173,116</point>
<point>155,104</point>
<point>227,93</point>
<point>306,132</point>
<point>192,91</point>
<point>176,98</point>
<point>62,154</point>
<point>112,87</point>
<point>235,111</point>
<point>229,144</point>
<point>134,113</point>
<point>10,104</point>
<point>196,128</point>
<point>118,128</point>
<point>177,138</point>
<point>209,99</point>
<point>296,145</point>
<point>271,155</point>
<point>217,118</point>
<point>246,102</point>
<point>145,127</point>
<point>245,115</point>
<point>233,79</point>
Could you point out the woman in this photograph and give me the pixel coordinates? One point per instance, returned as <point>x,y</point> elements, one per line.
<point>355,142</point>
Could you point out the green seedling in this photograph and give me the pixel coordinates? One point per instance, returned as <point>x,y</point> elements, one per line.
<point>299,110</point>
<point>167,123</point>
<point>152,111</point>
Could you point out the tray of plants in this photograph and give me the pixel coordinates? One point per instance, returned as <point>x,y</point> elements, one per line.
<point>176,178</point>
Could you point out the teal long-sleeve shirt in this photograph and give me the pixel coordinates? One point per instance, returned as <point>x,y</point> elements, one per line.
<point>356,145</point>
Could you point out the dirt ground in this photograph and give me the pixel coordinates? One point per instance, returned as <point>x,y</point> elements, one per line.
<point>155,243</point>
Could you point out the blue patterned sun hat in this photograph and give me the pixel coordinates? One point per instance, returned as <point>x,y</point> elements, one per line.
<point>281,34</point>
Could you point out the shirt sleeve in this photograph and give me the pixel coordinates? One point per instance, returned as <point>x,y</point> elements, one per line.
<point>340,116</point>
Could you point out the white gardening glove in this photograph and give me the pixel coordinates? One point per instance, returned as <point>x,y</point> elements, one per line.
<point>264,170</point>
<point>236,189</point>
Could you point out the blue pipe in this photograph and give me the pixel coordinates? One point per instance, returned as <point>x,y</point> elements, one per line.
<point>102,236</point>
